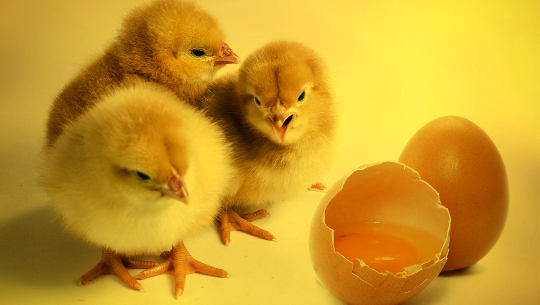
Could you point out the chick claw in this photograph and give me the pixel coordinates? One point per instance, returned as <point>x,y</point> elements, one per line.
<point>113,263</point>
<point>180,263</point>
<point>231,221</point>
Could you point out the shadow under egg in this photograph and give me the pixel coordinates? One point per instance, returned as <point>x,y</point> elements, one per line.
<point>467,271</point>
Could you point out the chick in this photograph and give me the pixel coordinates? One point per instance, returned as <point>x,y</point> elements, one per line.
<point>278,112</point>
<point>169,42</point>
<point>130,176</point>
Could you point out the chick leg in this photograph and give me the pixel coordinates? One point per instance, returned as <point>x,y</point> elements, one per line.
<point>180,263</point>
<point>231,221</point>
<point>113,263</point>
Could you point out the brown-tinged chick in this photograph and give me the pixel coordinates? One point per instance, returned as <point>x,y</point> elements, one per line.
<point>169,42</point>
<point>279,114</point>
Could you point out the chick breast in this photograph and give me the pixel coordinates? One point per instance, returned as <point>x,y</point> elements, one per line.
<point>279,79</point>
<point>91,171</point>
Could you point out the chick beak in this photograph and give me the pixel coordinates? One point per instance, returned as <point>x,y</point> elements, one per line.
<point>177,189</point>
<point>226,55</point>
<point>280,124</point>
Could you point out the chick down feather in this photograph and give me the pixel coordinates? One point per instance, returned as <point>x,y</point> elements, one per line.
<point>169,42</point>
<point>110,172</point>
<point>279,114</point>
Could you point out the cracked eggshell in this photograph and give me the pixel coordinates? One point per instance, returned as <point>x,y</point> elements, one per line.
<point>391,193</point>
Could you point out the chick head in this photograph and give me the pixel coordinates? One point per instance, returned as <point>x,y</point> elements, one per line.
<point>284,91</point>
<point>171,40</point>
<point>139,142</point>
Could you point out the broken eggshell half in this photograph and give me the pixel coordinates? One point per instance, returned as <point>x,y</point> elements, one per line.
<point>389,193</point>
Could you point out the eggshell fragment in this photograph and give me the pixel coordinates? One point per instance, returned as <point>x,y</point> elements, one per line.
<point>391,193</point>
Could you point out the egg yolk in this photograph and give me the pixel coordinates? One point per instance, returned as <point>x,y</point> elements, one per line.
<point>386,247</point>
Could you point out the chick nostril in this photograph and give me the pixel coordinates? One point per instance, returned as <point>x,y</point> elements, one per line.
<point>274,118</point>
<point>288,120</point>
<point>175,184</point>
<point>226,50</point>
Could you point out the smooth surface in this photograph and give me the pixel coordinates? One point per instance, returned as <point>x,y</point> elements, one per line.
<point>461,162</point>
<point>396,65</point>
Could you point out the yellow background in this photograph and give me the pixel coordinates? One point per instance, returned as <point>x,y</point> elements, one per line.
<point>395,65</point>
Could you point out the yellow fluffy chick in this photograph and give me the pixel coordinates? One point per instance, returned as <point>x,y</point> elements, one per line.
<point>135,175</point>
<point>278,113</point>
<point>169,42</point>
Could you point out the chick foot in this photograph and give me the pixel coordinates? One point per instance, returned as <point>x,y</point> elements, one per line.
<point>317,187</point>
<point>113,263</point>
<point>231,221</point>
<point>180,263</point>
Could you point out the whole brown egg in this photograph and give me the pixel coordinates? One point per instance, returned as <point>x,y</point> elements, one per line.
<point>461,162</point>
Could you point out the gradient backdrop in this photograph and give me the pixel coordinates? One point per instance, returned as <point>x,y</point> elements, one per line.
<point>395,65</point>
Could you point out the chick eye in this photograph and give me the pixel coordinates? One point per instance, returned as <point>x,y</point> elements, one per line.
<point>257,101</point>
<point>302,96</point>
<point>143,176</point>
<point>198,52</point>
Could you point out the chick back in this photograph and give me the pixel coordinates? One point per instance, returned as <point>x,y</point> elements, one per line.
<point>82,93</point>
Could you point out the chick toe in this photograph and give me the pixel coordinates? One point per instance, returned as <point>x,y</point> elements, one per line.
<point>112,263</point>
<point>255,215</point>
<point>231,221</point>
<point>180,263</point>
<point>317,187</point>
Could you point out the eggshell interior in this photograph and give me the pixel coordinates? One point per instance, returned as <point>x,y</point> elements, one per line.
<point>391,193</point>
